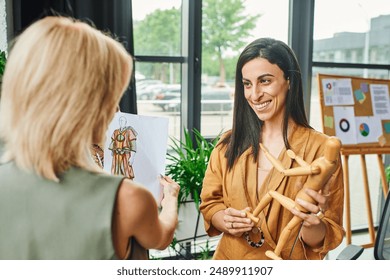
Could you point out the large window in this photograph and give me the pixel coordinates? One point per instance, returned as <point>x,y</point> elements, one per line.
<point>360,36</point>
<point>160,52</point>
<point>158,42</point>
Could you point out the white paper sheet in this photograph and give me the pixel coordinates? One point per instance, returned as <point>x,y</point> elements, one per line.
<point>344,118</point>
<point>148,159</point>
<point>380,101</point>
<point>368,129</point>
<point>337,92</point>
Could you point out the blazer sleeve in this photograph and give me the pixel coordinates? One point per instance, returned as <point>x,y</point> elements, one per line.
<point>212,195</point>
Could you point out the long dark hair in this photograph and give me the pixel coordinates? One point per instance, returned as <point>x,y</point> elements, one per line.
<point>246,130</point>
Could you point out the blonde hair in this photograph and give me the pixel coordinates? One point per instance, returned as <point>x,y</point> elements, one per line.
<point>61,87</point>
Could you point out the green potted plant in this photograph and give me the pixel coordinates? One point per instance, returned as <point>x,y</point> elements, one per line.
<point>187,163</point>
<point>3,60</point>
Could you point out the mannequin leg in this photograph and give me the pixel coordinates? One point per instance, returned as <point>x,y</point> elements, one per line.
<point>286,202</point>
<point>284,238</point>
<point>262,204</point>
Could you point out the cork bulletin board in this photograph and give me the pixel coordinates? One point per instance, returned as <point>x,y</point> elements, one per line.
<point>357,110</point>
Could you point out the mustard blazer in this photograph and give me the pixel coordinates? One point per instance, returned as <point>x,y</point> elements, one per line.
<point>223,189</point>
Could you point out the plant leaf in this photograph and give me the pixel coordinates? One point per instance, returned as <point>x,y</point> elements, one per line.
<point>188,160</point>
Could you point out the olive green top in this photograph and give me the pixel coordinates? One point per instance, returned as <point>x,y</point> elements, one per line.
<point>42,219</point>
<point>1,147</point>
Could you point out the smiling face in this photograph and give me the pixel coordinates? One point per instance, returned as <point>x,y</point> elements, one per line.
<point>265,89</point>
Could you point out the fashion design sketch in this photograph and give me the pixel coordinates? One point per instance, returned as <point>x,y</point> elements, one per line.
<point>123,148</point>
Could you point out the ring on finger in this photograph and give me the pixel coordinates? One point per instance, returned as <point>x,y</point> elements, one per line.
<point>320,214</point>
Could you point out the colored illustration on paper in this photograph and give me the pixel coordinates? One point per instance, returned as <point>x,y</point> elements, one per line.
<point>123,147</point>
<point>136,147</point>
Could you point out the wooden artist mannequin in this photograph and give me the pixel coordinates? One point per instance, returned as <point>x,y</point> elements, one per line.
<point>319,172</point>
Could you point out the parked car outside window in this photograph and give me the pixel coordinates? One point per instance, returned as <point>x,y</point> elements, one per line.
<point>214,99</point>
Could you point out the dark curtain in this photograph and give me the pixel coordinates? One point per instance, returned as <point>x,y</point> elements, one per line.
<point>112,16</point>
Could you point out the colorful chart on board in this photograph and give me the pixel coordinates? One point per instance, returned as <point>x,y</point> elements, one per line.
<point>364,129</point>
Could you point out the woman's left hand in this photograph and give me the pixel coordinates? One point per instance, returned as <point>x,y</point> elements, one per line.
<point>314,229</point>
<point>316,210</point>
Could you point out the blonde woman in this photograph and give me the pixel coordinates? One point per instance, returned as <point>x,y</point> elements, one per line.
<point>61,88</point>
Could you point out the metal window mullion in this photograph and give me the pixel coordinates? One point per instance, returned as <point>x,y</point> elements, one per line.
<point>301,21</point>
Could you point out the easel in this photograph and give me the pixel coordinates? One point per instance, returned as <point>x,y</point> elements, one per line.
<point>346,152</point>
<point>361,109</point>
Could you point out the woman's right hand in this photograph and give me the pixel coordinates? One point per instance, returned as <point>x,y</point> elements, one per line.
<point>232,221</point>
<point>170,190</point>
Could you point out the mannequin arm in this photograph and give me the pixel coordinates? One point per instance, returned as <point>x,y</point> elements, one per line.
<point>305,169</point>
<point>275,162</point>
<point>297,158</point>
<point>302,170</point>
